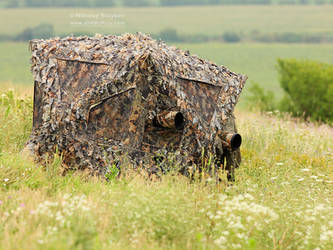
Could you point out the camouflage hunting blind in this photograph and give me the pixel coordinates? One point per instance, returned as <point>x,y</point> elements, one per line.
<point>101,99</point>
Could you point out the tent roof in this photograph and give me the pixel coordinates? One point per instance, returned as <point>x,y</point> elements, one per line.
<point>124,52</point>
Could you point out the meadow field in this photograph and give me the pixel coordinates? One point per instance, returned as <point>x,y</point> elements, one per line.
<point>282,197</point>
<point>283,194</point>
<point>257,60</point>
<point>208,20</point>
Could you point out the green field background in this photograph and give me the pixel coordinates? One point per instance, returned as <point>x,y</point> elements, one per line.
<point>257,60</point>
<point>282,197</point>
<point>209,20</point>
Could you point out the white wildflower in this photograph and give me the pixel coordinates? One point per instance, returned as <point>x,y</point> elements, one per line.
<point>326,235</point>
<point>249,197</point>
<point>240,215</point>
<point>271,234</point>
<point>249,219</point>
<point>66,196</point>
<point>221,241</point>
<point>223,197</point>
<point>236,246</point>
<point>226,233</point>
<point>210,215</point>
<point>241,235</point>
<point>40,242</point>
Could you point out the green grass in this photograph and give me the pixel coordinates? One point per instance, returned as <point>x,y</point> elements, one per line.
<point>255,60</point>
<point>282,198</point>
<point>15,63</point>
<point>208,20</point>
<point>283,195</point>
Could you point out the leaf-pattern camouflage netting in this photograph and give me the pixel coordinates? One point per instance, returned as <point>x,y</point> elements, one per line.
<point>100,98</point>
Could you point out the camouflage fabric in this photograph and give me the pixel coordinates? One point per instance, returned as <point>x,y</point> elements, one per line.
<point>100,98</point>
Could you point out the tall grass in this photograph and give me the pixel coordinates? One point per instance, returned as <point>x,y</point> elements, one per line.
<point>282,197</point>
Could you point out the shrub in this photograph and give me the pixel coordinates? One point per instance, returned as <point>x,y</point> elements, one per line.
<point>169,35</point>
<point>5,38</point>
<point>290,37</point>
<point>25,35</point>
<point>13,4</point>
<point>230,37</point>
<point>308,86</point>
<point>197,38</point>
<point>261,99</point>
<point>41,31</point>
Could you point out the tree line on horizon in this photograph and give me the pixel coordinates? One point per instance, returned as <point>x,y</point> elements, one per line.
<point>138,3</point>
<point>171,35</point>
